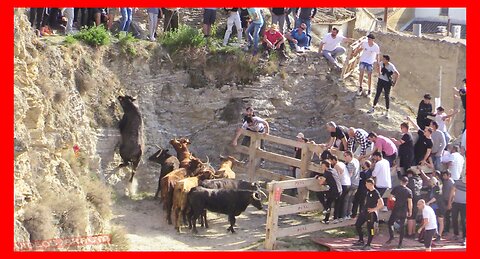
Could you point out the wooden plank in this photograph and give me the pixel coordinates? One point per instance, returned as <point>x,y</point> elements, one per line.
<point>242,149</point>
<point>271,226</point>
<point>272,176</point>
<point>290,199</point>
<point>306,157</point>
<point>298,230</point>
<point>278,158</point>
<point>299,208</point>
<point>297,183</point>
<point>253,159</point>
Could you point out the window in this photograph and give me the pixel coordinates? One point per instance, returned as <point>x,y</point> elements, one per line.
<point>443,11</point>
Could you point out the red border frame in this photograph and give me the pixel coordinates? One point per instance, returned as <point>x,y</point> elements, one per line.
<point>6,13</point>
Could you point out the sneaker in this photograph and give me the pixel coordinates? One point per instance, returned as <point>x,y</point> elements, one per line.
<point>368,92</point>
<point>340,220</point>
<point>347,218</point>
<point>366,247</point>
<point>400,246</point>
<point>389,241</point>
<point>386,114</point>
<point>359,92</point>
<point>326,211</point>
<point>359,243</point>
<point>371,110</point>
<point>335,221</point>
<point>325,222</point>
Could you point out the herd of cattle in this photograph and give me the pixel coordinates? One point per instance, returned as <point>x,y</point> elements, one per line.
<point>187,186</point>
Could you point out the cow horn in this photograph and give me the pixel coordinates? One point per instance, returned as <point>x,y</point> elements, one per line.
<point>158,146</point>
<point>260,191</point>
<point>236,160</point>
<point>256,196</point>
<point>208,160</point>
<point>222,156</point>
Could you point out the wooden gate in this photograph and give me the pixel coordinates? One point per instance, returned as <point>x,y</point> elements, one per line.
<point>352,61</point>
<point>282,182</point>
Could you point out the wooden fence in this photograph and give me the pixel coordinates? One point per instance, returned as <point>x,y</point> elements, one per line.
<point>352,61</point>
<point>281,182</point>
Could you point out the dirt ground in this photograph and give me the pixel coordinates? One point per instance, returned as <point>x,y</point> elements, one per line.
<point>144,221</point>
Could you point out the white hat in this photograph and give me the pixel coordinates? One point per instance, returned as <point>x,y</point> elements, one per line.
<point>300,135</point>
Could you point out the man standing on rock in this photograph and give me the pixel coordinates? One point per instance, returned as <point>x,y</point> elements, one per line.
<point>369,57</point>
<point>387,79</point>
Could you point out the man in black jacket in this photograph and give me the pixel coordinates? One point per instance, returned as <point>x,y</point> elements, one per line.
<point>332,195</point>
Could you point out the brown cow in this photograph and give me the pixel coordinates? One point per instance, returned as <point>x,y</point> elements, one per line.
<point>167,183</point>
<point>183,154</point>
<point>180,193</point>
<point>225,170</point>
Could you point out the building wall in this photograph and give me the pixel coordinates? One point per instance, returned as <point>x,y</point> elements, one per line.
<point>418,60</point>
<point>456,14</point>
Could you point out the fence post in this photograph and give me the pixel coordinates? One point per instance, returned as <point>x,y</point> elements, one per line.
<point>252,160</point>
<point>274,194</point>
<point>306,156</point>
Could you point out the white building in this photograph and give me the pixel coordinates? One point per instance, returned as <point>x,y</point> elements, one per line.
<point>456,15</point>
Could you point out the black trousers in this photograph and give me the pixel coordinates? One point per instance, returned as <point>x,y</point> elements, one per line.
<point>386,86</point>
<point>326,199</point>
<point>338,213</point>
<point>358,202</point>
<point>370,218</point>
<point>447,218</point>
<point>459,209</point>
<point>36,17</point>
<point>401,217</point>
<point>428,237</point>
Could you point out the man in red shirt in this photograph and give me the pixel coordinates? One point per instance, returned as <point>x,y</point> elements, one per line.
<point>273,40</point>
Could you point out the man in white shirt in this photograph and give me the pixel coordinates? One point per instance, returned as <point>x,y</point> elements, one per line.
<point>454,161</point>
<point>429,224</point>
<point>382,173</point>
<point>368,59</point>
<point>330,46</point>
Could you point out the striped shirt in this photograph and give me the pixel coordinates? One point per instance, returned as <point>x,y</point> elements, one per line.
<point>361,138</point>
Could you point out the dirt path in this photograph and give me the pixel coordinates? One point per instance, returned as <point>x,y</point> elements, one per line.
<point>144,221</point>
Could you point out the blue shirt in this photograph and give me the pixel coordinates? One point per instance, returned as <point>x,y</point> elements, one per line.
<point>301,38</point>
<point>256,15</point>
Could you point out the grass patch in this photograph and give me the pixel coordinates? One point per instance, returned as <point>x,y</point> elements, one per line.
<point>345,232</point>
<point>38,221</point>
<point>98,194</point>
<point>127,44</point>
<point>94,36</point>
<point>118,239</point>
<point>69,40</point>
<point>184,37</point>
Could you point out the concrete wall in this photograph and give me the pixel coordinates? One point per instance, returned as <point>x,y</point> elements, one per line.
<point>365,20</point>
<point>418,60</point>
<point>401,17</point>
<point>456,14</point>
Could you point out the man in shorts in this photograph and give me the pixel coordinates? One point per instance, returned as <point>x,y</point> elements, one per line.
<point>368,59</point>
<point>429,224</point>
<point>209,16</point>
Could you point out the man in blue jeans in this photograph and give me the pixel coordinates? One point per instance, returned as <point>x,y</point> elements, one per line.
<point>298,38</point>
<point>305,15</point>
<point>253,29</point>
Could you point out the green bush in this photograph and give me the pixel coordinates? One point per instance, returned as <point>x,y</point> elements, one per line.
<point>69,39</point>
<point>127,42</point>
<point>94,36</point>
<point>184,37</point>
